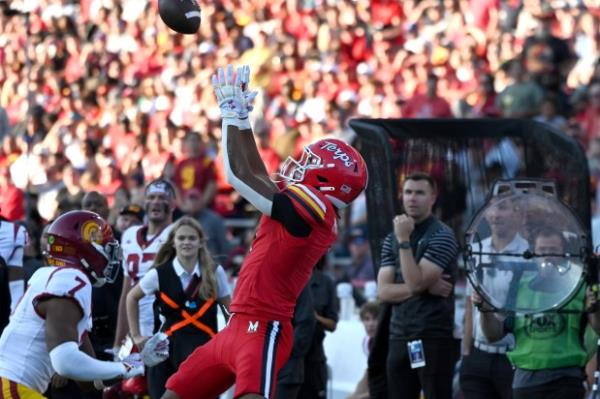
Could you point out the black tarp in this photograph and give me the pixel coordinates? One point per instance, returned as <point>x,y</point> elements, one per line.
<point>465,156</point>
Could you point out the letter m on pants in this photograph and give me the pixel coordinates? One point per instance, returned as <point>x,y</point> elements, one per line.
<point>252,327</point>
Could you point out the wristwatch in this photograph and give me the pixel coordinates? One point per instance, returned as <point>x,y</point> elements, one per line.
<point>404,245</point>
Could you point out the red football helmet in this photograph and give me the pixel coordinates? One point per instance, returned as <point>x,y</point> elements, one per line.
<point>115,392</point>
<point>135,385</point>
<point>84,240</point>
<point>331,166</point>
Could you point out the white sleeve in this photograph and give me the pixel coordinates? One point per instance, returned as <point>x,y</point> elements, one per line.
<point>68,361</point>
<point>16,256</point>
<point>223,288</point>
<point>149,283</point>
<point>263,204</point>
<point>126,248</point>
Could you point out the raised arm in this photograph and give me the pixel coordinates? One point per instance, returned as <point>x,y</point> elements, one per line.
<point>245,169</point>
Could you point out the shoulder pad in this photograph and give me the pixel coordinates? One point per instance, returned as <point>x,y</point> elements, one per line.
<point>307,200</point>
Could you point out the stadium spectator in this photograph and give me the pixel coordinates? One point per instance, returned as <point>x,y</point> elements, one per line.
<point>369,314</point>
<point>361,267</point>
<point>12,202</point>
<point>195,169</point>
<point>212,223</point>
<point>13,237</point>
<point>69,197</point>
<point>522,97</point>
<point>589,117</point>
<point>130,215</point>
<point>429,104</point>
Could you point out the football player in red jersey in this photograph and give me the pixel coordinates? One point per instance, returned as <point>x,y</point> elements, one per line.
<point>54,314</point>
<point>297,228</point>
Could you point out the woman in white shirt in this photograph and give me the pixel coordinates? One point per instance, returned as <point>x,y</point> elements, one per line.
<point>188,286</point>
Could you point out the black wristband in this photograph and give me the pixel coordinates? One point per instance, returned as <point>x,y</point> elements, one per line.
<point>404,245</point>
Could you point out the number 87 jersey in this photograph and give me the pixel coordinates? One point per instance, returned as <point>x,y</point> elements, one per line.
<point>139,252</point>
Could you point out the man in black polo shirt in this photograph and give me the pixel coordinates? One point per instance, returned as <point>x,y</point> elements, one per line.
<point>418,262</point>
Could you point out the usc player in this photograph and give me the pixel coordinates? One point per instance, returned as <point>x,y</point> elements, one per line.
<point>50,323</point>
<point>140,245</point>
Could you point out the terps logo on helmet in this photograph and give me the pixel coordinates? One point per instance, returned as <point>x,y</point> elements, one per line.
<point>90,232</point>
<point>338,153</point>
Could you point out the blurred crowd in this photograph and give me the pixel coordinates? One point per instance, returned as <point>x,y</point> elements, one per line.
<point>99,95</point>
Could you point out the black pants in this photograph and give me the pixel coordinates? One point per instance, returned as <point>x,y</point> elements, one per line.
<point>486,376</point>
<point>563,388</point>
<point>435,378</point>
<point>157,378</point>
<point>315,381</point>
<point>288,391</point>
<point>71,391</point>
<point>181,345</point>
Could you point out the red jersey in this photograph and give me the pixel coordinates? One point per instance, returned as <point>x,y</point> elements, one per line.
<point>282,256</point>
<point>195,173</point>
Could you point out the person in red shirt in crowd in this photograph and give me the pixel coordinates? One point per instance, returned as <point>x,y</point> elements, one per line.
<point>483,100</point>
<point>196,169</point>
<point>485,14</point>
<point>298,226</point>
<point>266,151</point>
<point>12,201</point>
<point>155,157</point>
<point>428,105</point>
<point>110,180</point>
<point>589,118</point>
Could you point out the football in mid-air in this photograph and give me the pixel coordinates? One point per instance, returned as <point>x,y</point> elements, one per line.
<point>182,16</point>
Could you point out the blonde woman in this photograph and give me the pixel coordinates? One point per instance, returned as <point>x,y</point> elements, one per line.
<point>188,286</point>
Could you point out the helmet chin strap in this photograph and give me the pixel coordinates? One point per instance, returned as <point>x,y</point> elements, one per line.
<point>98,281</point>
<point>336,202</point>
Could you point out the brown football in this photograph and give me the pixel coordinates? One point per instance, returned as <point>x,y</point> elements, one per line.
<point>182,16</point>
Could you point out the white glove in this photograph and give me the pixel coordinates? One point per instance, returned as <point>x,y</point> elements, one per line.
<point>134,366</point>
<point>235,101</point>
<point>156,349</point>
<point>243,80</point>
<point>121,352</point>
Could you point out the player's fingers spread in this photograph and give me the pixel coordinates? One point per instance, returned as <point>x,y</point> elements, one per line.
<point>221,76</point>
<point>215,82</point>
<point>251,96</point>
<point>238,76</point>
<point>229,74</point>
<point>246,79</point>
